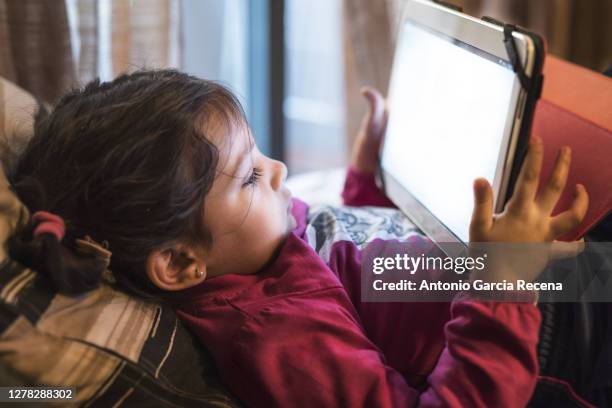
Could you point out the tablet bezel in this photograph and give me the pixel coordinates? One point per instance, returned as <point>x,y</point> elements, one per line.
<point>489,38</point>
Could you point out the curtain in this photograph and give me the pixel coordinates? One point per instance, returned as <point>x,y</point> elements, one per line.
<point>35,46</point>
<point>144,34</point>
<point>575,30</point>
<point>47,46</point>
<point>87,47</point>
<point>368,53</point>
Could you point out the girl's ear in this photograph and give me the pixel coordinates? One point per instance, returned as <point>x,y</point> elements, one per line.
<point>175,268</point>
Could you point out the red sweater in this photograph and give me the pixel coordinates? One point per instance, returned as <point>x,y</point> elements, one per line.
<point>296,334</point>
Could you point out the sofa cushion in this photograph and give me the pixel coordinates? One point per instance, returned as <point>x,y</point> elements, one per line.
<point>17,109</point>
<point>110,346</point>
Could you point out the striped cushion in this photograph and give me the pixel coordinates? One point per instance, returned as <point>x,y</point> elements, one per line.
<point>113,348</point>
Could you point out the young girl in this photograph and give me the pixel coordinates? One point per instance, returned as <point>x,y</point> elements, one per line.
<point>162,169</point>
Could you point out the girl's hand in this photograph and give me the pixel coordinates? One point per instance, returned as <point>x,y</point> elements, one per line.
<point>364,157</point>
<point>527,215</point>
<point>527,218</point>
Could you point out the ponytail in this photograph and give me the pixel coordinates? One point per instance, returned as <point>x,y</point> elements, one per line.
<point>38,245</point>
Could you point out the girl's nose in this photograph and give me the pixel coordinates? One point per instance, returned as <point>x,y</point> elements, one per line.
<point>279,174</point>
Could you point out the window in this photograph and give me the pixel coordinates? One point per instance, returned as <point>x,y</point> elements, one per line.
<point>314,98</point>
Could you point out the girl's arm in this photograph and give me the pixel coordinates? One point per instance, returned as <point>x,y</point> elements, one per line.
<point>310,351</point>
<point>490,357</point>
<point>467,353</point>
<point>360,189</point>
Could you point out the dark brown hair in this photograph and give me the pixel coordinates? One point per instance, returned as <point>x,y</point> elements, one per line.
<point>127,162</point>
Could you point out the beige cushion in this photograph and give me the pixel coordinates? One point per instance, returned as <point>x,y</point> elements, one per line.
<point>111,347</point>
<point>17,109</point>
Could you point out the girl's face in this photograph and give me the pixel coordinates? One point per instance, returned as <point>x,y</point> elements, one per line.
<point>248,209</point>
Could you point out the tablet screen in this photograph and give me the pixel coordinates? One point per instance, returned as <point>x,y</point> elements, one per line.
<point>448,108</point>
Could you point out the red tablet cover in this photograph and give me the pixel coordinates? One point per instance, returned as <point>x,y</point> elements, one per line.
<point>576,110</point>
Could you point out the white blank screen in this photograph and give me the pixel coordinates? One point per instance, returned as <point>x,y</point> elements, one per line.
<point>447,114</point>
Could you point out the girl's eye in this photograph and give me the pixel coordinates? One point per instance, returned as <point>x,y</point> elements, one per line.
<point>253,177</point>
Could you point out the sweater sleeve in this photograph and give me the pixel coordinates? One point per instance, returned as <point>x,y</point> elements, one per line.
<point>489,361</point>
<point>490,357</point>
<point>482,354</point>
<point>360,189</point>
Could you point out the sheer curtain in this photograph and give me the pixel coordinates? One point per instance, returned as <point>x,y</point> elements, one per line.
<point>368,53</point>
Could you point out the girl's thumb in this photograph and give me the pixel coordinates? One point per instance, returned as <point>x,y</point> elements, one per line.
<point>375,106</point>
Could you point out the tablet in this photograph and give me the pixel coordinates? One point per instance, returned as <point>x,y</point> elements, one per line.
<point>460,101</point>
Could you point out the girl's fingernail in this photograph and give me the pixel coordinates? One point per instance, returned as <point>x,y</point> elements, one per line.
<point>479,184</point>
<point>579,187</point>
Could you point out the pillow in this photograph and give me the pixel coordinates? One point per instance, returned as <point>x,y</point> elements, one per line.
<point>113,348</point>
<point>17,109</point>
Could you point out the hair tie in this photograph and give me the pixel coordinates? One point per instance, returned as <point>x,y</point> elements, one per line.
<point>49,224</point>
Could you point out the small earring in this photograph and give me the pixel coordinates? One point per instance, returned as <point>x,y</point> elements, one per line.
<point>198,272</point>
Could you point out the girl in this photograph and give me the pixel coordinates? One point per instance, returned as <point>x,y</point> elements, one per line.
<point>161,167</point>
